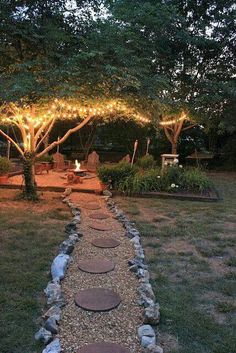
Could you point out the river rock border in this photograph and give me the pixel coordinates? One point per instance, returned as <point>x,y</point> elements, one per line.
<point>53,292</point>
<point>54,295</point>
<point>151,309</point>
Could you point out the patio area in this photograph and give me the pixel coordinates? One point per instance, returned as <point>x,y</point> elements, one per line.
<point>57,181</point>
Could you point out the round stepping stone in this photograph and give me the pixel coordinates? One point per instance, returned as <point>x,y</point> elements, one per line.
<point>92,206</point>
<point>105,243</point>
<point>99,215</point>
<point>97,299</point>
<point>99,226</point>
<point>96,265</point>
<point>103,347</point>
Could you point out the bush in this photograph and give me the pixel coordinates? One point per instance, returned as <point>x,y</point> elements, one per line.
<point>133,180</point>
<point>146,162</point>
<point>196,180</point>
<point>172,178</point>
<point>113,175</point>
<point>5,166</point>
<point>141,182</point>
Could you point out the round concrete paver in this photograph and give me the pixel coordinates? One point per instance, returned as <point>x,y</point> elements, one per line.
<point>99,226</point>
<point>92,206</point>
<point>99,215</point>
<point>96,265</point>
<point>105,243</point>
<point>103,348</point>
<point>97,299</point>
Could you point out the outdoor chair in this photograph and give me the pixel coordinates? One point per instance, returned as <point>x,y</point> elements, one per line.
<point>59,163</point>
<point>92,162</point>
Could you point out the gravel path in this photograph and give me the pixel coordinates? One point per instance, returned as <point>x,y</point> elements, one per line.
<point>79,327</point>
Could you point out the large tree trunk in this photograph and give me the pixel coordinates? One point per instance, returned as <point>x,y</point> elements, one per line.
<point>30,187</point>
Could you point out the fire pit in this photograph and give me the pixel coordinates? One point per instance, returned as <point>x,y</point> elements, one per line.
<point>75,175</point>
<point>81,172</point>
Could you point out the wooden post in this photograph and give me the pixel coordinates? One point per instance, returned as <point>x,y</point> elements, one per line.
<point>8,149</point>
<point>148,143</point>
<point>135,149</point>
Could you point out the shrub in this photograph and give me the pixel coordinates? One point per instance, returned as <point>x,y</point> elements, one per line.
<point>5,166</point>
<point>133,180</point>
<point>196,180</point>
<point>115,174</point>
<point>142,181</point>
<point>172,178</point>
<point>146,162</point>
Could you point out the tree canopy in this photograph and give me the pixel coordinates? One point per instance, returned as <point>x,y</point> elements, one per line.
<point>164,56</point>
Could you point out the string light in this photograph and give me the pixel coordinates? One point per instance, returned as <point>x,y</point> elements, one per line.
<point>63,110</point>
<point>173,121</point>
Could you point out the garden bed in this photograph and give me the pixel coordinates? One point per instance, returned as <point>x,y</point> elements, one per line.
<point>210,196</point>
<point>146,179</point>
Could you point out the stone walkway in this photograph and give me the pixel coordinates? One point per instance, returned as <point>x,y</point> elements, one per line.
<point>79,327</point>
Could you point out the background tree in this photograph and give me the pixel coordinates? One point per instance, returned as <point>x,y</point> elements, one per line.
<point>173,126</point>
<point>175,53</point>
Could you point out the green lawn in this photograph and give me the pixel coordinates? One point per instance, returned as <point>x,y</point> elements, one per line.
<point>190,248</point>
<point>29,238</point>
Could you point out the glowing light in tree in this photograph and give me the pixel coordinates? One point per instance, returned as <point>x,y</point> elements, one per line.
<point>36,122</point>
<point>173,127</point>
<point>35,126</point>
<point>174,121</point>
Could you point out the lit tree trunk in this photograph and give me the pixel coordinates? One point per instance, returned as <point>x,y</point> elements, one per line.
<point>30,187</point>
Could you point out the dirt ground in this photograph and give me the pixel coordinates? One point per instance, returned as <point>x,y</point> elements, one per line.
<point>59,179</point>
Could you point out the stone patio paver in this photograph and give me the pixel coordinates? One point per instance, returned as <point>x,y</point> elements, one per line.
<point>97,299</point>
<point>96,265</point>
<point>105,243</point>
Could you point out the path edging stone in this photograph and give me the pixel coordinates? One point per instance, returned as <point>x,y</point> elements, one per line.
<point>151,309</point>
<point>53,291</point>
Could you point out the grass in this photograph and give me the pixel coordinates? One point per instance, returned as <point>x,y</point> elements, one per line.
<point>225,307</point>
<point>190,249</point>
<point>29,238</point>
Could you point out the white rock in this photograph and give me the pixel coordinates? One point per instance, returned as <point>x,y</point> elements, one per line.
<point>59,266</point>
<point>146,341</point>
<point>146,330</point>
<point>54,312</point>
<point>43,335</point>
<point>152,314</point>
<point>53,292</point>
<point>53,347</point>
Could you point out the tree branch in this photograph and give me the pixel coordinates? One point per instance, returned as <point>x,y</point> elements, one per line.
<point>45,135</point>
<point>67,134</point>
<point>40,130</point>
<point>178,130</point>
<point>12,141</point>
<point>168,135</point>
<point>189,127</point>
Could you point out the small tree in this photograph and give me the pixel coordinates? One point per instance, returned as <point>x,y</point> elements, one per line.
<point>173,126</point>
<point>36,121</point>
